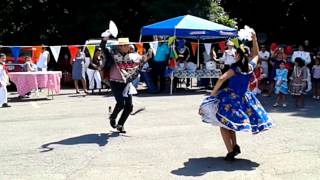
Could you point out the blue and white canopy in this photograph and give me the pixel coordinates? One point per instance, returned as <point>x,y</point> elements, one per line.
<point>189,27</point>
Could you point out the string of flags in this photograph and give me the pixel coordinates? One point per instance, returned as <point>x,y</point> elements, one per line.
<point>73,49</point>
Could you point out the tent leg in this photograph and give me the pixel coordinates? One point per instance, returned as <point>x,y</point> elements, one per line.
<point>140,38</point>
<point>198,54</point>
<point>171,83</point>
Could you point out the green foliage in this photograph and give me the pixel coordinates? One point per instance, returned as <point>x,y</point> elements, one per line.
<point>25,22</point>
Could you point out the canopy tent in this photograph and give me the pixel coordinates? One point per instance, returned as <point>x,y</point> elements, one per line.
<point>189,27</point>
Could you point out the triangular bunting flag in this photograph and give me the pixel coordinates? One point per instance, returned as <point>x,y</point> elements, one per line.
<point>222,46</point>
<point>235,42</point>
<point>139,48</point>
<point>91,49</point>
<point>36,51</point>
<point>55,52</point>
<point>180,43</point>
<point>73,52</point>
<point>154,46</point>
<point>15,51</point>
<point>171,40</point>
<point>207,46</point>
<point>194,47</point>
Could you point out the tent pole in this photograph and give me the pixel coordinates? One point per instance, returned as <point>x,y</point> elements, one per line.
<point>198,54</point>
<point>140,37</point>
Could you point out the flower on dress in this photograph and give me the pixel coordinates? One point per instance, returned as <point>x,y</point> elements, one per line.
<point>224,121</point>
<point>227,107</point>
<point>249,112</point>
<point>245,121</point>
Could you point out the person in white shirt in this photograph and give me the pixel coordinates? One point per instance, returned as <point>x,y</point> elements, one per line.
<point>227,59</point>
<point>301,53</point>
<point>264,57</point>
<point>43,61</point>
<point>4,81</point>
<point>229,55</point>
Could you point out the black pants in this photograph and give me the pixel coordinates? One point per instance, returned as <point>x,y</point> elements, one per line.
<point>124,103</point>
<point>158,72</point>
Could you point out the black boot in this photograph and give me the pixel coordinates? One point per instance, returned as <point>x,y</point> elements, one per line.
<point>120,128</point>
<point>236,150</point>
<point>230,156</point>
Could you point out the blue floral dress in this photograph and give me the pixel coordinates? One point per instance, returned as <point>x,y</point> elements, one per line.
<point>281,75</point>
<point>238,108</point>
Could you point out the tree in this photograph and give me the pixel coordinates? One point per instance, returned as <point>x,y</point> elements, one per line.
<point>30,22</point>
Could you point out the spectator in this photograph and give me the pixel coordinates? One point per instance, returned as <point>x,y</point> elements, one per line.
<point>78,72</point>
<point>277,58</point>
<point>281,87</point>
<point>43,61</point>
<point>28,65</point>
<point>94,69</point>
<point>264,57</point>
<point>298,82</point>
<point>4,82</point>
<point>316,79</point>
<point>160,64</point>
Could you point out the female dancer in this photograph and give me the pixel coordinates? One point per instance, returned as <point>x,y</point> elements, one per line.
<point>238,108</point>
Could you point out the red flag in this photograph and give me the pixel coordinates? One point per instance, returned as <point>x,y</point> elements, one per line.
<point>194,47</point>
<point>139,48</point>
<point>73,51</point>
<point>36,51</point>
<point>222,46</point>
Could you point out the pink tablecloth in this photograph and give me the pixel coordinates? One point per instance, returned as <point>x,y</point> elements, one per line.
<point>27,81</point>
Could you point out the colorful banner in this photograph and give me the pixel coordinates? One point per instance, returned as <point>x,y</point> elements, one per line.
<point>91,49</point>
<point>55,52</point>
<point>194,47</point>
<point>221,46</point>
<point>36,51</point>
<point>154,47</point>
<point>207,46</point>
<point>15,52</point>
<point>139,48</point>
<point>73,51</point>
<point>235,42</point>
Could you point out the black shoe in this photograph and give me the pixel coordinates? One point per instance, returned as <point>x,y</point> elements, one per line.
<point>112,123</point>
<point>236,150</point>
<point>5,105</point>
<point>230,156</point>
<point>121,129</point>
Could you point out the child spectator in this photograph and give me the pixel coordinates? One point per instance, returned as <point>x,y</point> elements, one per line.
<point>316,78</point>
<point>281,86</point>
<point>298,82</point>
<point>256,79</point>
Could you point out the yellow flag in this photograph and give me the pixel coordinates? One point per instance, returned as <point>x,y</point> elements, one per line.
<point>235,42</point>
<point>91,49</point>
<point>171,40</point>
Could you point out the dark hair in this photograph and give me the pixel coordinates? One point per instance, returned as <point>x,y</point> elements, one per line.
<point>299,61</point>
<point>243,63</point>
<point>2,55</point>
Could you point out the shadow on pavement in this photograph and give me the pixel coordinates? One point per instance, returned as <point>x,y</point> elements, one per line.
<point>309,111</point>
<point>201,166</point>
<point>17,99</point>
<point>99,139</point>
